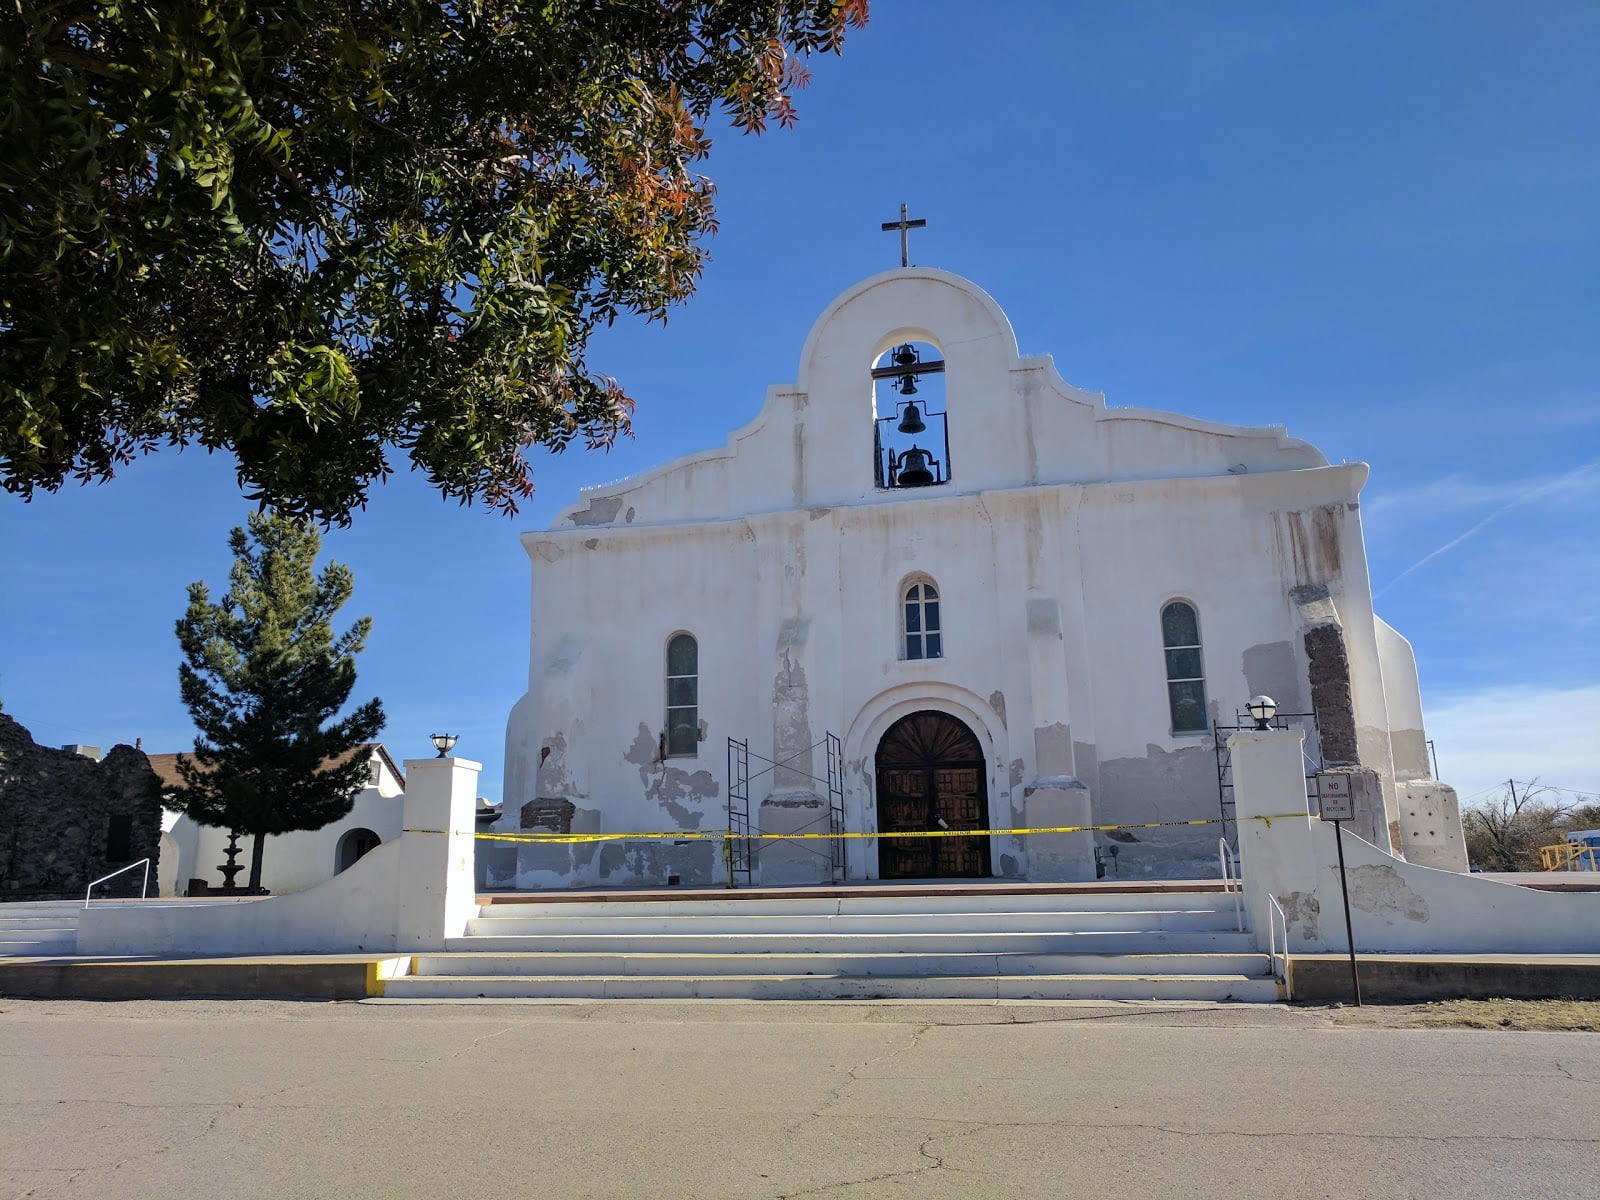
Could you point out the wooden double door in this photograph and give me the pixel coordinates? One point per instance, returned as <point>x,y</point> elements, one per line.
<point>931,775</point>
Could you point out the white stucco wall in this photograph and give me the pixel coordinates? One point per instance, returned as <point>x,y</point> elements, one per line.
<point>1396,906</point>
<point>291,862</point>
<point>409,894</point>
<point>1064,530</point>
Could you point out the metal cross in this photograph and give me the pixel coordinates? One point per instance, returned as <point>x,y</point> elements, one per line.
<point>904,225</point>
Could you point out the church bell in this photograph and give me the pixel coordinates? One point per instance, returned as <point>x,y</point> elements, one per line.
<point>912,421</point>
<point>914,468</point>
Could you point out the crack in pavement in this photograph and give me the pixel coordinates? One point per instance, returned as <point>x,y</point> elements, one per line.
<point>836,1093</point>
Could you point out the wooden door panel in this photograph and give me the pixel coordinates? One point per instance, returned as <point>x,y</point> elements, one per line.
<point>930,775</point>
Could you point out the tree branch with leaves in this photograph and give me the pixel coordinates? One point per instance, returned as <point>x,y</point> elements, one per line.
<point>321,235</point>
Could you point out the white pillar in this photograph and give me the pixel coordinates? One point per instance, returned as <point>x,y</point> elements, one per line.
<point>1276,855</point>
<point>436,895</point>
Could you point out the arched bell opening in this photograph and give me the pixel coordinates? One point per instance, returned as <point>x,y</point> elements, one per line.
<point>911,439</point>
<point>931,776</point>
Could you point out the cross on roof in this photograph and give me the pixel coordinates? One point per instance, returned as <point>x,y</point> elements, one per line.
<point>904,225</point>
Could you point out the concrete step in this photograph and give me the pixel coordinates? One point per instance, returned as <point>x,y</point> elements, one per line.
<point>840,987</point>
<point>31,945</point>
<point>793,905</point>
<point>765,924</point>
<point>39,927</point>
<point>680,965</point>
<point>54,921</point>
<point>1113,941</point>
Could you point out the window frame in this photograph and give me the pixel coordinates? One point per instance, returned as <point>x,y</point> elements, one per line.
<point>1198,646</point>
<point>923,585</point>
<point>669,707</point>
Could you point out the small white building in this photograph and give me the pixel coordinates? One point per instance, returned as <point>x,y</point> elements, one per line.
<point>945,589</point>
<point>290,862</point>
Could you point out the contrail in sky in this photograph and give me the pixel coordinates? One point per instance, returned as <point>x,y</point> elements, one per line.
<point>1532,493</point>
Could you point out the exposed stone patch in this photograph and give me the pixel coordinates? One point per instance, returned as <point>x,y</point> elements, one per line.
<point>1380,889</point>
<point>628,516</point>
<point>602,510</point>
<point>590,543</point>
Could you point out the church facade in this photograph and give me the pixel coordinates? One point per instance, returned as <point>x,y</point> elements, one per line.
<point>940,588</point>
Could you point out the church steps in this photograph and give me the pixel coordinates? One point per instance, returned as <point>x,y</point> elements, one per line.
<point>781,924</point>
<point>736,904</point>
<point>1219,987</point>
<point>549,964</point>
<point>38,927</point>
<point>992,941</point>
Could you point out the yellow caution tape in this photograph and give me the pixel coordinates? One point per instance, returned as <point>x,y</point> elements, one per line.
<point>728,835</point>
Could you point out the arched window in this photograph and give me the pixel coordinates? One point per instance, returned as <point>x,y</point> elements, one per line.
<point>923,633</point>
<point>352,846</point>
<point>1186,680</point>
<point>683,696</point>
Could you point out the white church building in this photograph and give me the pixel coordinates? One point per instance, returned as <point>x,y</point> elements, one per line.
<point>944,589</point>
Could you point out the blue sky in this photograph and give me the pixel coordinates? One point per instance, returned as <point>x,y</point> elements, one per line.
<point>1374,223</point>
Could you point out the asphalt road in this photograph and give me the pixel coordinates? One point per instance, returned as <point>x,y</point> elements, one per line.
<point>182,1100</point>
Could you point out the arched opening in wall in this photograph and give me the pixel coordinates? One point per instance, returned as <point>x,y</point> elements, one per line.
<point>352,846</point>
<point>910,433</point>
<point>931,775</point>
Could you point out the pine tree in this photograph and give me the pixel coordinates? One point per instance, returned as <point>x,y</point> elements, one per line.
<point>262,676</point>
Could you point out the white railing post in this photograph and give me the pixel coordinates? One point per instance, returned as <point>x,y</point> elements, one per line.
<point>1231,882</point>
<point>144,888</point>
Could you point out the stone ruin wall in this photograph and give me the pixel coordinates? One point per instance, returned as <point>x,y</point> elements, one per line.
<point>56,816</point>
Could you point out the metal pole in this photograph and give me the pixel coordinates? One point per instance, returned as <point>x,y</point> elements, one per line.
<point>1349,933</point>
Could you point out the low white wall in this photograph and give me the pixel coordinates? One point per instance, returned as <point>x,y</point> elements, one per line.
<point>1396,906</point>
<point>408,894</point>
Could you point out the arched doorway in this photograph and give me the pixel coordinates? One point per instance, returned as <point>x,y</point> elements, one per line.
<point>931,775</point>
<point>352,846</point>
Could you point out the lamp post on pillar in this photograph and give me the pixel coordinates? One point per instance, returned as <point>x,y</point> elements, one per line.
<point>437,884</point>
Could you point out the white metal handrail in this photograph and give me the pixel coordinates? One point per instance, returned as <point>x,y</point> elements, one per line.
<point>1272,944</point>
<point>144,889</point>
<point>1231,881</point>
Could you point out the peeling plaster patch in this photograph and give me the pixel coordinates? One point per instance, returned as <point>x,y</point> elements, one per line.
<point>553,778</point>
<point>1015,774</point>
<point>673,788</point>
<point>628,516</point>
<point>602,510</point>
<point>1009,866</point>
<point>1409,748</point>
<point>1302,909</point>
<point>590,543</point>
<point>612,856</point>
<point>1164,785</point>
<point>1086,764</point>
<point>997,701</point>
<point>791,707</point>
<point>548,551</point>
<point>1380,889</point>
<point>1052,749</point>
<point>1270,670</point>
<point>817,514</point>
<point>1309,541</point>
<point>1044,616</point>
